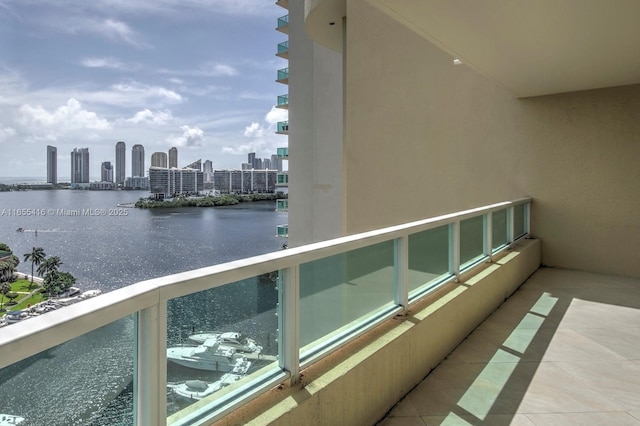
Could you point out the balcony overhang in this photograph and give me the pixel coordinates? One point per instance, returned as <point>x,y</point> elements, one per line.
<point>532,48</point>
<point>323,22</point>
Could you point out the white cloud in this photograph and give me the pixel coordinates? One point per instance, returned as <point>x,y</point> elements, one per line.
<point>67,117</point>
<point>254,130</point>
<point>108,62</point>
<point>148,116</point>
<point>276,114</point>
<point>133,94</point>
<point>208,69</point>
<point>106,28</point>
<point>6,133</point>
<point>191,136</point>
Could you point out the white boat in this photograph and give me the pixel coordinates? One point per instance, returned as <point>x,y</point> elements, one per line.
<point>235,340</point>
<point>197,389</point>
<point>89,294</point>
<point>211,356</point>
<point>10,420</point>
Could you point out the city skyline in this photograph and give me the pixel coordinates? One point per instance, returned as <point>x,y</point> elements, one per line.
<point>120,75</point>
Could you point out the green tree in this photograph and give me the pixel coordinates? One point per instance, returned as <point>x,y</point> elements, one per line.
<point>4,247</point>
<point>49,265</point>
<point>5,288</point>
<point>36,257</point>
<point>58,282</point>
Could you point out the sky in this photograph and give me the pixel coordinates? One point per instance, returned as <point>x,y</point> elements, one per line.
<point>195,74</point>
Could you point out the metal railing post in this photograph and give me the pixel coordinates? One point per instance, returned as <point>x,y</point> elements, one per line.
<point>401,262</point>
<point>511,218</point>
<point>454,249</point>
<point>150,366</point>
<point>487,233</point>
<point>288,323</point>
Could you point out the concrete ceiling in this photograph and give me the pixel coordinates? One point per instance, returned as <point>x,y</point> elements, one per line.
<point>533,47</point>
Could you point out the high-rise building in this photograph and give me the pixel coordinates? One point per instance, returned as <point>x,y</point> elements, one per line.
<point>252,159</point>
<point>165,182</point>
<point>196,165</point>
<point>52,164</point>
<point>208,171</point>
<point>106,172</point>
<point>159,159</point>
<point>276,163</point>
<point>173,157</point>
<point>266,164</point>
<point>137,161</point>
<point>80,165</point>
<point>121,156</point>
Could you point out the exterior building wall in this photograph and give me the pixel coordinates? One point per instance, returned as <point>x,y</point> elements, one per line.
<point>52,164</point>
<point>424,136</point>
<point>121,156</point>
<point>244,181</point>
<point>316,204</point>
<point>80,165</point>
<point>173,157</point>
<point>165,182</point>
<point>159,159</point>
<point>137,161</point>
<point>106,172</point>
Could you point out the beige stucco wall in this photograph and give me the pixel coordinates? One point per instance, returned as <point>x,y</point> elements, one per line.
<point>424,136</point>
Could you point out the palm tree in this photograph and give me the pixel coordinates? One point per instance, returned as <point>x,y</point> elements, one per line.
<point>49,266</point>
<point>36,257</point>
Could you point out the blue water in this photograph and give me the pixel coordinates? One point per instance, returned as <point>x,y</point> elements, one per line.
<point>88,380</point>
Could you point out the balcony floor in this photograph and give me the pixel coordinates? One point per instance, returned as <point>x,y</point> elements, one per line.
<point>563,350</point>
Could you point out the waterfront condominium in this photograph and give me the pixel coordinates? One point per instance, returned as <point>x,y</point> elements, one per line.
<point>80,165</point>
<point>159,159</point>
<point>106,172</point>
<point>173,157</point>
<point>52,164</point>
<point>137,161</point>
<point>120,162</point>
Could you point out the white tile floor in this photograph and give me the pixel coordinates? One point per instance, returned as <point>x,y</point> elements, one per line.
<point>563,350</point>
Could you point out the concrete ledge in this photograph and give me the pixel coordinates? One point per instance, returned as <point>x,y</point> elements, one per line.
<point>360,383</point>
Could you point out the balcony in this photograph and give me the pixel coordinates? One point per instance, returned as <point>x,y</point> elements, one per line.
<point>283,153</point>
<point>282,205</point>
<point>282,179</point>
<point>283,50</point>
<point>283,231</point>
<point>328,295</point>
<point>283,76</point>
<point>283,102</point>
<point>283,3</point>
<point>283,128</point>
<point>283,24</point>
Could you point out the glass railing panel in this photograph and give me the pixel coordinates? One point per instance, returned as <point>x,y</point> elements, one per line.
<point>283,152</point>
<point>283,73</point>
<point>518,221</point>
<point>499,229</point>
<point>283,47</point>
<point>339,291</point>
<point>283,231</point>
<point>282,205</point>
<point>86,380</point>
<point>283,100</point>
<point>428,257</point>
<point>283,21</point>
<point>219,340</point>
<point>283,126</point>
<point>471,240</point>
<point>282,178</point>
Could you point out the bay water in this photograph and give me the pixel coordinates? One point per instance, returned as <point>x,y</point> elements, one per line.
<point>87,381</point>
